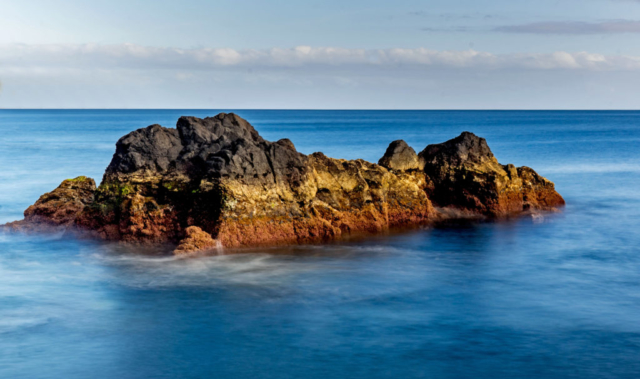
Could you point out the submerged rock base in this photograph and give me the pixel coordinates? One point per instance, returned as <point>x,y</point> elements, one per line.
<point>215,182</point>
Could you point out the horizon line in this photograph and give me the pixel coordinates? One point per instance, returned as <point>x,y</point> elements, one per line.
<point>335,109</point>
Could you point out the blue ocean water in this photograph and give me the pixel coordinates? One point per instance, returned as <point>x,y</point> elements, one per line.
<point>552,297</point>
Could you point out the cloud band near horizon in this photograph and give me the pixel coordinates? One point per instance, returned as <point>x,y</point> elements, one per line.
<point>130,56</point>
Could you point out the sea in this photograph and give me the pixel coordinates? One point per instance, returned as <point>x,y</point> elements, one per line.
<point>553,296</point>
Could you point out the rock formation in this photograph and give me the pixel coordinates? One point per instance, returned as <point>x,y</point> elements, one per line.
<point>464,173</point>
<point>59,208</point>
<point>196,240</point>
<point>400,157</point>
<point>216,181</point>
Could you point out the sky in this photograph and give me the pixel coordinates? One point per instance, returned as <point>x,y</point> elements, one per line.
<point>353,54</point>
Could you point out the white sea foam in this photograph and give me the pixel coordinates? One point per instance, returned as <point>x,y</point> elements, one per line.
<point>266,268</point>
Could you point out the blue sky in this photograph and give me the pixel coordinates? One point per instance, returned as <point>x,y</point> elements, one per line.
<point>320,54</point>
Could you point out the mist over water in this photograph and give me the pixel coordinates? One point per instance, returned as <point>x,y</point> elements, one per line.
<point>554,297</point>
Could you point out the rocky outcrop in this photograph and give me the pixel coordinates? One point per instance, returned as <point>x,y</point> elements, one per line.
<point>217,182</point>
<point>400,157</point>
<point>58,210</point>
<point>196,240</point>
<point>463,173</point>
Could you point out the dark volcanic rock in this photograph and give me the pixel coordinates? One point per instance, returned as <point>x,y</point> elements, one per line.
<point>224,146</point>
<point>400,156</point>
<point>153,148</point>
<point>464,173</point>
<point>216,181</point>
<point>466,149</point>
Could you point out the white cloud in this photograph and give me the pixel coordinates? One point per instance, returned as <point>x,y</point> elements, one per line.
<point>133,76</point>
<point>129,56</point>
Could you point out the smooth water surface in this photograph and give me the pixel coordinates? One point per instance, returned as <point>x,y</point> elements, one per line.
<point>552,297</point>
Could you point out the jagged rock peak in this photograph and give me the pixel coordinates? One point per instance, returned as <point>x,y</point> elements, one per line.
<point>152,148</point>
<point>466,148</point>
<point>225,145</point>
<point>226,126</point>
<point>400,156</point>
